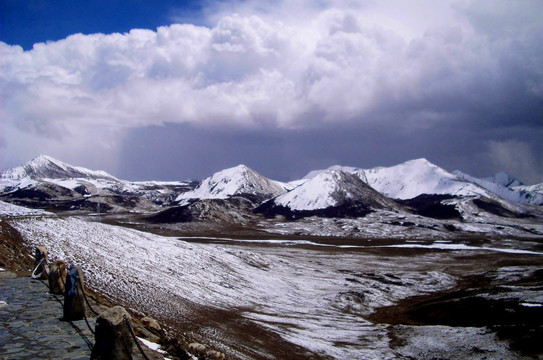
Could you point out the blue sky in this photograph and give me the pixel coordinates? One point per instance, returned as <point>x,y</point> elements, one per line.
<point>170,90</point>
<point>30,21</point>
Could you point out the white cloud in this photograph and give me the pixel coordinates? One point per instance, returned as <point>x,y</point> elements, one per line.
<point>284,64</point>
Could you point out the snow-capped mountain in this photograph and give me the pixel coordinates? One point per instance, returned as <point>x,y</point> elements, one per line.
<point>532,193</point>
<point>236,181</point>
<point>53,184</point>
<point>330,193</point>
<point>348,169</point>
<point>339,191</point>
<point>520,194</point>
<point>416,177</point>
<point>410,179</point>
<point>330,189</point>
<point>504,179</point>
<point>45,167</point>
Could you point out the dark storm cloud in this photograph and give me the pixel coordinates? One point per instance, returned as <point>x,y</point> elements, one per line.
<point>184,152</point>
<point>288,88</point>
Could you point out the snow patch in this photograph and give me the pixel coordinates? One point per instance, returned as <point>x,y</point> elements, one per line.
<point>7,209</point>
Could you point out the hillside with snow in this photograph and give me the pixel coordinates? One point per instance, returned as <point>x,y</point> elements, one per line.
<point>495,184</point>
<point>339,192</point>
<point>236,181</point>
<point>504,179</point>
<point>307,295</point>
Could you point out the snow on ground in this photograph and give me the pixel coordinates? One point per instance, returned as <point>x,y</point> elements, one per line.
<point>384,224</point>
<point>7,209</point>
<point>443,342</point>
<point>305,300</point>
<point>9,185</point>
<point>315,300</point>
<point>443,246</point>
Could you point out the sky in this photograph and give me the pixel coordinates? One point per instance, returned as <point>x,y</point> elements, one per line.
<point>176,90</point>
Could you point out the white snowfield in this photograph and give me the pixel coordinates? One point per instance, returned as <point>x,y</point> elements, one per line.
<point>7,209</point>
<point>238,180</point>
<point>312,299</point>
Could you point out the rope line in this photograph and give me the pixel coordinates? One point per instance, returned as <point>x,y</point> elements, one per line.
<point>136,339</point>
<point>33,275</point>
<point>61,278</point>
<point>85,296</point>
<point>83,306</point>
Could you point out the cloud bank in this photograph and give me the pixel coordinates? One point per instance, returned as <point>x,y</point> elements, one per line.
<point>286,66</point>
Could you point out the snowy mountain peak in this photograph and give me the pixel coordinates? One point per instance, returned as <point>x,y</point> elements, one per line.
<point>504,179</point>
<point>239,180</point>
<point>348,169</point>
<point>415,177</point>
<point>331,188</point>
<point>43,167</point>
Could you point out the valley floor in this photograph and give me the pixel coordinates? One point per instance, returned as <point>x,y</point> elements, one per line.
<point>304,297</point>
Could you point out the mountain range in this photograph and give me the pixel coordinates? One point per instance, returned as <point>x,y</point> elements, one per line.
<point>416,186</point>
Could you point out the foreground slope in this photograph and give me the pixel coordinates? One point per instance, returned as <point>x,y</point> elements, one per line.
<point>281,299</point>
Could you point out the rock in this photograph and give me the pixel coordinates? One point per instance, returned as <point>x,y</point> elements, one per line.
<point>113,340</point>
<point>197,349</point>
<point>74,301</point>
<point>151,324</point>
<point>57,277</point>
<point>7,275</point>
<point>215,355</point>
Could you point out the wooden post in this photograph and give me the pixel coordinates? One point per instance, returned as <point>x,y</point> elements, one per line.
<point>113,339</point>
<point>74,301</point>
<point>57,277</point>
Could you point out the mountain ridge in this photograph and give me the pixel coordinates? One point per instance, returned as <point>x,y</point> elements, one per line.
<point>403,181</point>
<point>43,166</point>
